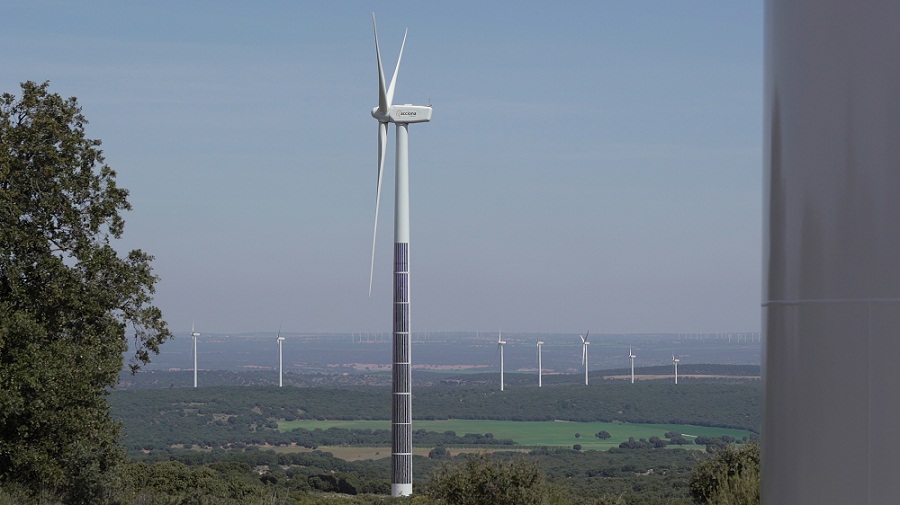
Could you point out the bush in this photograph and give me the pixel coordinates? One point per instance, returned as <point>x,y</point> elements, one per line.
<point>481,480</point>
<point>731,477</point>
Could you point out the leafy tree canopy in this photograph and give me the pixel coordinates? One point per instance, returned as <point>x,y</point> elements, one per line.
<point>731,477</point>
<point>68,301</point>
<point>481,479</point>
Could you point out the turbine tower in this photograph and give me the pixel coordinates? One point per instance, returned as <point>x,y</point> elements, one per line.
<point>631,356</point>
<point>194,336</point>
<point>500,344</point>
<point>675,362</point>
<point>401,403</point>
<point>539,344</point>
<point>584,355</point>
<point>280,341</point>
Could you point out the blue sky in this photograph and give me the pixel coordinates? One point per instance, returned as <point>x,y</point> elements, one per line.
<point>590,165</point>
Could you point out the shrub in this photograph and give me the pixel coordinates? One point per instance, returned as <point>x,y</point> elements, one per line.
<point>481,480</point>
<point>731,477</point>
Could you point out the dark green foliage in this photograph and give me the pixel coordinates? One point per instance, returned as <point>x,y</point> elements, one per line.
<point>216,416</point>
<point>729,478</point>
<point>603,435</point>
<point>480,480</point>
<point>439,452</point>
<point>66,301</point>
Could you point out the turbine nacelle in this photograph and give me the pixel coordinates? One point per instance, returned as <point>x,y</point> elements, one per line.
<point>406,113</point>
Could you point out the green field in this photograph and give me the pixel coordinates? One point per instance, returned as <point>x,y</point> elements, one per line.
<point>528,433</point>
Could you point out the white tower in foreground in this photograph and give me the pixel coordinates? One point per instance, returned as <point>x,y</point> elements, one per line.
<point>401,403</point>
<point>832,252</point>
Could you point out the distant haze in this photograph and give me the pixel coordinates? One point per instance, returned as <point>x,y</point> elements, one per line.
<point>455,352</point>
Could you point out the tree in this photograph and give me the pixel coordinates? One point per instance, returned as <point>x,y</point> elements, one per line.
<point>731,477</point>
<point>67,300</point>
<point>439,452</point>
<point>603,435</point>
<point>480,480</point>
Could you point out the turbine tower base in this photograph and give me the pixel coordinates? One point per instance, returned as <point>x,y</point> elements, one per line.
<point>398,490</point>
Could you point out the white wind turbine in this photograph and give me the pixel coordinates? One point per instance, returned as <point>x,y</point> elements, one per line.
<point>631,356</point>
<point>539,344</point>
<point>500,344</point>
<point>194,336</point>
<point>584,355</point>
<point>675,362</point>
<point>401,406</point>
<point>280,341</point>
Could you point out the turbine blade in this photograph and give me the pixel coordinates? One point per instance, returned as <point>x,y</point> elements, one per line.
<point>583,353</point>
<point>383,102</point>
<point>390,91</point>
<point>382,147</point>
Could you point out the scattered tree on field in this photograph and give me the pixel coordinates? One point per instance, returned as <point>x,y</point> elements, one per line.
<point>439,452</point>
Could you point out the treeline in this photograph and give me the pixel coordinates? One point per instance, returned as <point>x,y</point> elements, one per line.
<point>366,437</point>
<point>638,476</point>
<point>156,420</point>
<point>215,417</point>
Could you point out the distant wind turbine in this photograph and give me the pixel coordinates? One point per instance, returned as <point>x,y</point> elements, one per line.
<point>194,335</point>
<point>280,341</point>
<point>539,344</point>
<point>500,344</point>
<point>631,356</point>
<point>584,355</point>
<point>675,362</point>
<point>401,403</point>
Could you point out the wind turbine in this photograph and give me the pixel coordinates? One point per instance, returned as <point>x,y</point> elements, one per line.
<point>280,341</point>
<point>194,335</point>
<point>675,362</point>
<point>539,344</point>
<point>500,344</point>
<point>632,356</point>
<point>401,404</point>
<point>584,355</point>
